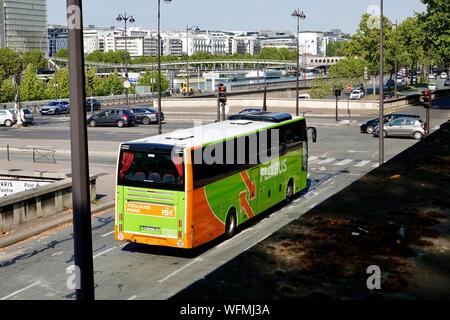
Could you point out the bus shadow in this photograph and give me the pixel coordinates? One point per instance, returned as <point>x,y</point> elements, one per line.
<point>194,253</point>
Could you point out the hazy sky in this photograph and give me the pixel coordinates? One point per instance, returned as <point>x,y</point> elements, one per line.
<point>321,15</point>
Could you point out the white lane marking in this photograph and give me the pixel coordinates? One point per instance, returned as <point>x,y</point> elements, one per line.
<point>362,163</point>
<point>343,163</point>
<point>326,161</point>
<point>132,298</point>
<point>312,159</point>
<point>71,267</point>
<point>20,291</point>
<point>107,234</point>
<point>179,270</point>
<point>57,253</point>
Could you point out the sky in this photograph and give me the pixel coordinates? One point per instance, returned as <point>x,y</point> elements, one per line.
<point>236,15</point>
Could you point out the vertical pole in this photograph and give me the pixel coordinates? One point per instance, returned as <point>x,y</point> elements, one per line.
<point>7,152</point>
<point>126,59</point>
<point>218,107</point>
<point>187,60</point>
<point>337,115</point>
<point>84,270</point>
<point>159,69</point>
<point>430,104</point>
<point>265,98</point>
<point>396,59</point>
<point>298,68</point>
<point>381,119</point>
<point>223,111</point>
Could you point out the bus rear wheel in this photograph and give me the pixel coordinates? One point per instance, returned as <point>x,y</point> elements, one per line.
<point>231,224</point>
<point>290,191</point>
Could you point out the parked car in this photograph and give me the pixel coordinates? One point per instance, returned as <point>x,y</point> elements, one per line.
<point>370,125</point>
<point>444,75</point>
<point>96,105</point>
<point>431,76</point>
<point>146,115</point>
<point>304,96</point>
<point>447,83</point>
<point>356,95</point>
<point>112,117</point>
<point>402,127</point>
<point>27,115</point>
<point>432,86</point>
<point>250,110</point>
<point>55,107</point>
<point>7,118</point>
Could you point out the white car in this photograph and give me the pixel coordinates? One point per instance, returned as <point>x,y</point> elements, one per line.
<point>432,86</point>
<point>431,76</point>
<point>7,118</point>
<point>356,95</point>
<point>444,75</point>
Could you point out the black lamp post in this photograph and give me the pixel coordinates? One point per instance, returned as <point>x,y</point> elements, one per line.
<point>125,18</point>
<point>299,15</point>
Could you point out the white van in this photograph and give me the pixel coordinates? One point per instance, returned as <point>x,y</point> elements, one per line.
<point>7,118</point>
<point>304,96</point>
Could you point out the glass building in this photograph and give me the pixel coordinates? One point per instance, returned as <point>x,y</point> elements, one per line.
<point>23,25</point>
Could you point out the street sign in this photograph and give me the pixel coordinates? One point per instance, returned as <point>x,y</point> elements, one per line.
<point>8,187</point>
<point>349,87</point>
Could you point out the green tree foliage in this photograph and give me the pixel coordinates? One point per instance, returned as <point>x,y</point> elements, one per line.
<point>10,61</point>
<point>34,57</point>
<point>150,79</point>
<point>335,48</point>
<point>63,53</point>
<point>277,54</point>
<point>31,88</point>
<point>349,70</point>
<point>320,88</point>
<point>61,78</point>
<point>111,85</point>
<point>7,92</point>
<point>436,23</point>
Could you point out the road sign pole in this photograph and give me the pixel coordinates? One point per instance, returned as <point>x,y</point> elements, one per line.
<point>337,115</point>
<point>430,104</point>
<point>81,195</point>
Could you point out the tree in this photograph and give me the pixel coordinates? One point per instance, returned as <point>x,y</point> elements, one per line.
<point>7,92</point>
<point>321,88</point>
<point>436,23</point>
<point>9,61</point>
<point>335,48</point>
<point>112,85</point>
<point>31,88</point>
<point>63,53</point>
<point>34,57</point>
<point>349,70</point>
<point>61,78</point>
<point>150,78</point>
<point>96,56</point>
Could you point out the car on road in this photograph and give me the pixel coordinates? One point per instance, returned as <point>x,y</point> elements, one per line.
<point>305,96</point>
<point>370,125</point>
<point>7,118</point>
<point>146,115</point>
<point>432,86</point>
<point>444,75</point>
<point>431,76</point>
<point>55,107</point>
<point>27,115</point>
<point>119,117</point>
<point>356,95</point>
<point>96,105</point>
<point>447,83</point>
<point>403,127</point>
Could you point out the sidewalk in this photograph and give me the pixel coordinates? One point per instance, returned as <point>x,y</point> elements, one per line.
<point>391,226</point>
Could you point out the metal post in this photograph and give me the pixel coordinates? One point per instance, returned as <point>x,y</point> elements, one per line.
<point>337,114</point>
<point>84,269</point>
<point>265,98</point>
<point>7,152</point>
<point>430,105</point>
<point>126,60</point>
<point>223,111</point>
<point>159,69</point>
<point>218,107</point>
<point>381,118</point>
<point>297,92</point>
<point>187,59</point>
<point>396,59</point>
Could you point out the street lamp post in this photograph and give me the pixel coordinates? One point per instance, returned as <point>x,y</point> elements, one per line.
<point>299,15</point>
<point>396,58</point>
<point>381,119</point>
<point>125,19</point>
<point>196,29</point>
<point>159,66</point>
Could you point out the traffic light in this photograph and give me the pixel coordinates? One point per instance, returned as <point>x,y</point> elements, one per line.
<point>426,96</point>
<point>222,93</point>
<point>337,92</point>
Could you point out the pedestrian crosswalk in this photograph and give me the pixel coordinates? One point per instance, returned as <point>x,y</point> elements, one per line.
<point>343,162</point>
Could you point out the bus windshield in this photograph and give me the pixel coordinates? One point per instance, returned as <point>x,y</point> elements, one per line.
<point>151,170</point>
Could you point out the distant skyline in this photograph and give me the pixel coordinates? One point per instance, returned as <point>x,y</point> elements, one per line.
<point>233,15</point>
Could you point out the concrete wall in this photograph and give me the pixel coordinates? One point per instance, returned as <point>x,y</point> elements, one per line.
<point>30,206</point>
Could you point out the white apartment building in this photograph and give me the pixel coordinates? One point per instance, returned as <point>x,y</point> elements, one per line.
<point>311,43</point>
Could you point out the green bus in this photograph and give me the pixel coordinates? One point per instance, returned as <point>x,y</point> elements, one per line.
<point>185,188</point>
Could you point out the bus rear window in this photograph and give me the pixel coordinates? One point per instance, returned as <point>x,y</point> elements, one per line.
<point>151,170</point>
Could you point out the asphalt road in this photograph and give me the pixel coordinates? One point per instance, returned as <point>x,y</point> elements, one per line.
<point>41,267</point>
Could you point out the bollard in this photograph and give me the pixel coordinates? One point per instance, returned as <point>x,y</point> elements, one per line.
<point>7,152</point>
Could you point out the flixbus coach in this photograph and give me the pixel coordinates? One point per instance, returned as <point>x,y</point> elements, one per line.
<point>188,187</point>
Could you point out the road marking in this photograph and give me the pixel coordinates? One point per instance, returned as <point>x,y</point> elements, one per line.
<point>107,234</point>
<point>326,161</point>
<point>312,159</point>
<point>132,298</point>
<point>362,163</point>
<point>21,290</point>
<point>179,270</point>
<point>103,252</point>
<point>344,162</point>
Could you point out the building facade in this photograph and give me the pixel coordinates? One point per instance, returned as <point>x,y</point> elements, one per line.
<point>57,39</point>
<point>23,25</point>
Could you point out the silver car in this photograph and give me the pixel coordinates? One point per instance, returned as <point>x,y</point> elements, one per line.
<point>403,127</point>
<point>55,107</point>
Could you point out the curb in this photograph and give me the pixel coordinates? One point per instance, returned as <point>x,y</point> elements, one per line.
<point>53,223</point>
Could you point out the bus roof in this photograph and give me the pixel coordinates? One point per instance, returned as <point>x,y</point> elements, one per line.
<point>204,135</point>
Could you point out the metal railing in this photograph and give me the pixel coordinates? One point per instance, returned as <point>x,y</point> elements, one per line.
<point>37,155</point>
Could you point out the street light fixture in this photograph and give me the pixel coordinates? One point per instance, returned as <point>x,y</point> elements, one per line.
<point>381,119</point>
<point>159,66</point>
<point>299,15</point>
<point>125,18</point>
<point>195,29</point>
